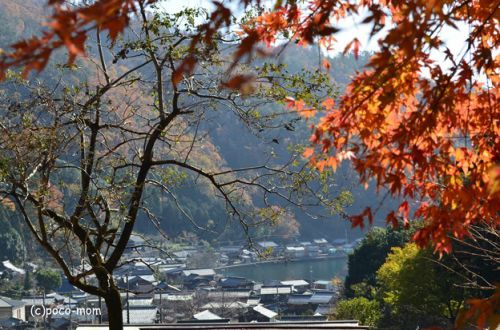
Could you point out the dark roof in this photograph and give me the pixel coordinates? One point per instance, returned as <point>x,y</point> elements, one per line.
<point>139,280</point>
<point>10,323</point>
<point>8,302</point>
<point>138,271</point>
<point>321,297</point>
<point>316,298</point>
<point>234,281</point>
<point>299,299</point>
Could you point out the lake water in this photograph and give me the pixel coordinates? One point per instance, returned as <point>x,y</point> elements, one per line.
<point>324,269</point>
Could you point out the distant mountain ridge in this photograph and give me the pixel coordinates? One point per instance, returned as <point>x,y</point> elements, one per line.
<point>20,19</point>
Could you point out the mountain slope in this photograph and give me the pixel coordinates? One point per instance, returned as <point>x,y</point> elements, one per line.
<point>229,144</point>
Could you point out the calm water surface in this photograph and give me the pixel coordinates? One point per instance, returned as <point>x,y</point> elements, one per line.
<point>325,269</point>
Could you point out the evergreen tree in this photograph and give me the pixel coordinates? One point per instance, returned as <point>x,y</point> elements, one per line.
<point>28,281</point>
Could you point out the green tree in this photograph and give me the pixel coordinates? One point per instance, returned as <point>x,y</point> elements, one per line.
<point>28,281</point>
<point>11,245</point>
<point>412,285</point>
<point>368,312</point>
<point>369,256</point>
<point>48,279</point>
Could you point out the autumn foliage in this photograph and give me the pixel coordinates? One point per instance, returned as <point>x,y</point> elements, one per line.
<point>427,130</point>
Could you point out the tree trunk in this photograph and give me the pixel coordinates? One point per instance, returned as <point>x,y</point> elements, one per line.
<point>114,306</point>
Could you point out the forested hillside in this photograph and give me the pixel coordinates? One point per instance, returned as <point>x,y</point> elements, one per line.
<point>226,143</point>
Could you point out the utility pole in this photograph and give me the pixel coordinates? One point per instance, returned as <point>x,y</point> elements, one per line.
<point>161,308</point>
<point>128,304</point>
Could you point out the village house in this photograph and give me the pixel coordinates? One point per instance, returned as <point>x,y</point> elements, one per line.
<point>183,255</point>
<point>253,301</point>
<point>321,242</point>
<point>172,298</point>
<point>325,310</point>
<point>47,302</point>
<point>247,256</point>
<point>227,309</point>
<point>337,252</point>
<point>193,278</point>
<point>323,285</point>
<point>229,295</point>
<point>258,313</point>
<point>10,308</point>
<point>323,245</point>
<point>140,314</point>
<point>139,300</point>
<point>172,273</point>
<point>136,243</point>
<point>206,315</point>
<point>275,294</point>
<point>312,251</point>
<point>234,282</point>
<point>295,252</point>
<point>269,247</point>
<point>299,304</point>
<point>339,242</point>
<point>165,288</point>
<point>232,252</point>
<point>138,284</point>
<point>298,286</point>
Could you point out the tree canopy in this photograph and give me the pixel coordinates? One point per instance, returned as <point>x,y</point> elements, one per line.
<point>48,279</point>
<point>416,290</point>
<point>368,312</point>
<point>369,256</point>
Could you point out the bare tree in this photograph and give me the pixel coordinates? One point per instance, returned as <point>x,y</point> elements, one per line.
<point>77,160</point>
<point>477,259</point>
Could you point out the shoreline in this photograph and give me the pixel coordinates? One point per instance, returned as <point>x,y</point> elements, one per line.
<point>280,261</point>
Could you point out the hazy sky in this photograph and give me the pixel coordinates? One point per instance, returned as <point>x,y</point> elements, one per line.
<point>350,28</point>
